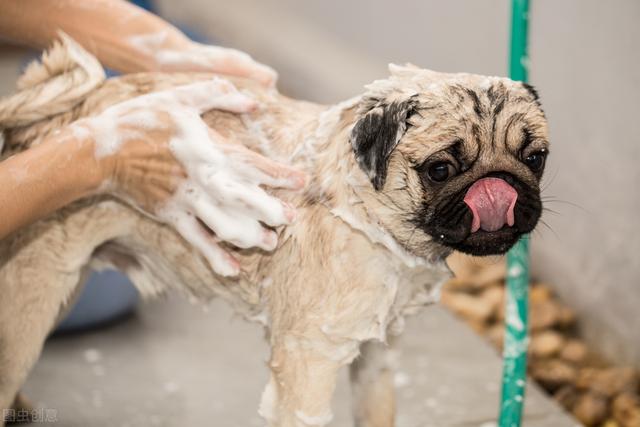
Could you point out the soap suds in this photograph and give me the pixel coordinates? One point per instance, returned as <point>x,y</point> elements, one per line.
<point>92,355</point>
<point>401,379</point>
<point>262,317</point>
<point>514,319</point>
<point>327,122</point>
<point>378,235</point>
<point>207,57</point>
<point>198,56</point>
<point>342,353</point>
<point>148,42</point>
<point>267,408</point>
<point>319,420</point>
<point>221,189</point>
<point>255,127</point>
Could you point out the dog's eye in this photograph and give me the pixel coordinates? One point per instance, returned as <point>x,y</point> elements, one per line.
<point>535,161</point>
<point>440,171</point>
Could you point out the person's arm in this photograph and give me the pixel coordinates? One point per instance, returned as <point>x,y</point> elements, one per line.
<point>123,37</point>
<point>38,181</point>
<point>157,153</point>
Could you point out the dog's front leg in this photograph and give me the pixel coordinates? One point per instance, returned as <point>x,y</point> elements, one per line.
<point>371,374</point>
<point>303,379</point>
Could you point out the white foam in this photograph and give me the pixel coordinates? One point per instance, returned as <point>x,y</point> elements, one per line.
<point>261,318</point>
<point>80,132</point>
<point>206,57</point>
<point>209,169</point>
<point>342,353</point>
<point>327,122</point>
<point>147,120</point>
<point>148,42</point>
<point>513,315</point>
<point>92,355</point>
<point>112,128</point>
<point>378,235</point>
<point>401,379</point>
<point>197,57</point>
<point>221,189</point>
<point>266,283</point>
<point>257,131</point>
<point>319,420</point>
<point>267,408</point>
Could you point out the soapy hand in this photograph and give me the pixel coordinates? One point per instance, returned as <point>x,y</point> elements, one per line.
<point>169,50</point>
<point>157,153</point>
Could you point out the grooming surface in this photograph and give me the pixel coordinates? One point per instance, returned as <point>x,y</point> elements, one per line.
<point>173,365</point>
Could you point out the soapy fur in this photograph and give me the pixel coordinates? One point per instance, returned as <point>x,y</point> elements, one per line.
<point>334,291</point>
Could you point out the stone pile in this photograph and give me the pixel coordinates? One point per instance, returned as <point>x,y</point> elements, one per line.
<point>594,391</point>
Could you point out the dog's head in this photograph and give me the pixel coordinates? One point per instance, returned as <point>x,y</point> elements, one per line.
<point>455,160</point>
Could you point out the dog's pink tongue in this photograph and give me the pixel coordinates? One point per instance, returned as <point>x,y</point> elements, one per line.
<point>491,201</point>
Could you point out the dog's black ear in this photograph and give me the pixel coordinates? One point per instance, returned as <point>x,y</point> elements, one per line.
<point>377,133</point>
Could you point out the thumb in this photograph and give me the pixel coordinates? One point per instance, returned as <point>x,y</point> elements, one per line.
<point>237,63</point>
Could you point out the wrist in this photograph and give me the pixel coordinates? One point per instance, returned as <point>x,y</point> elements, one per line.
<point>86,171</point>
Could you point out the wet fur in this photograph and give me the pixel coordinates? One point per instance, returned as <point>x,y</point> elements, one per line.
<point>343,276</point>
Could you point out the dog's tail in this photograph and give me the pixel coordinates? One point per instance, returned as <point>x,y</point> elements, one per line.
<point>61,80</point>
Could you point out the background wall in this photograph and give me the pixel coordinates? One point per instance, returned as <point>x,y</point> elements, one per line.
<point>584,61</point>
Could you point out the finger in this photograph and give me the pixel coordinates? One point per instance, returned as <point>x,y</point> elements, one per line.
<point>212,94</point>
<point>233,102</point>
<point>263,169</point>
<point>237,229</point>
<point>253,200</point>
<point>203,96</point>
<point>137,118</point>
<point>220,260</point>
<point>237,63</point>
<point>243,193</point>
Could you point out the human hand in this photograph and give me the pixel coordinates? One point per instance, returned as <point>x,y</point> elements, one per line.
<point>157,153</point>
<point>124,37</point>
<point>170,50</point>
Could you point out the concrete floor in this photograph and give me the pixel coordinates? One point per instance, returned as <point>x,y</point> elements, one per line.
<point>175,364</point>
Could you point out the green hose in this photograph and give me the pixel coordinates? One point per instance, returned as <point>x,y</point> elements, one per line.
<point>514,375</point>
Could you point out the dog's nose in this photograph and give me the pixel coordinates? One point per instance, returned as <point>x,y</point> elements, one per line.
<point>491,200</point>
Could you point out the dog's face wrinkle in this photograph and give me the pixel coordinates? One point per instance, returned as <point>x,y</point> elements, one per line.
<point>476,101</point>
<point>483,130</point>
<point>513,119</point>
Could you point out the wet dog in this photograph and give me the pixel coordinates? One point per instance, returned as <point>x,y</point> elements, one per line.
<point>421,164</point>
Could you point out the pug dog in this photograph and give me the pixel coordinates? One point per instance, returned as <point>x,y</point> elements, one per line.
<point>421,164</point>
